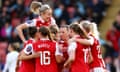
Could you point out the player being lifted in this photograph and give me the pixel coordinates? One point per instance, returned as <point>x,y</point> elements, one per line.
<point>44,19</point>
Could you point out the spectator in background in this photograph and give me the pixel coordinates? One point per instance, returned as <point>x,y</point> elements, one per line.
<point>109,64</point>
<point>117,63</point>
<point>7,4</point>
<point>63,22</point>
<point>4,15</point>
<point>116,26</point>
<point>113,36</point>
<point>98,9</point>
<point>58,12</point>
<point>18,9</point>
<point>89,14</point>
<point>3,48</point>
<point>73,14</point>
<point>6,30</point>
<point>66,2</point>
<point>81,6</point>
<point>11,58</point>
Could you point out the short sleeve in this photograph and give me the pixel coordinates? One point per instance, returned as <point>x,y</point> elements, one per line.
<point>57,52</point>
<point>31,23</point>
<point>28,49</point>
<point>53,22</point>
<point>72,46</point>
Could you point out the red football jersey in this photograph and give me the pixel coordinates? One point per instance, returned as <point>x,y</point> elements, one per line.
<point>64,46</point>
<point>80,63</point>
<point>64,49</point>
<point>81,51</point>
<point>46,62</point>
<point>28,65</point>
<point>40,22</point>
<point>97,55</point>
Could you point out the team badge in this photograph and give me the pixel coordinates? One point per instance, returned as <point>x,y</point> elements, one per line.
<point>29,48</point>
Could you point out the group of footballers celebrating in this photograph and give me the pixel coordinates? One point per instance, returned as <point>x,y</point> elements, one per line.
<point>73,48</point>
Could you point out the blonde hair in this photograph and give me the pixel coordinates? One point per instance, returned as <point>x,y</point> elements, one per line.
<point>15,46</point>
<point>87,26</point>
<point>38,7</point>
<point>35,6</point>
<point>84,25</point>
<point>94,30</point>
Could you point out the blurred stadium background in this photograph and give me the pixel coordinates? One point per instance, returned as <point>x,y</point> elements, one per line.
<point>104,12</point>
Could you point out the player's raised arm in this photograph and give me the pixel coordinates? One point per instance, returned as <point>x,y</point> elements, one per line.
<point>20,33</point>
<point>34,7</point>
<point>21,27</point>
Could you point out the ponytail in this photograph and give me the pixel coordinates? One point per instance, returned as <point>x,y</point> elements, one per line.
<point>76,28</point>
<point>45,32</point>
<point>84,32</point>
<point>94,30</point>
<point>50,36</point>
<point>35,7</point>
<point>15,46</point>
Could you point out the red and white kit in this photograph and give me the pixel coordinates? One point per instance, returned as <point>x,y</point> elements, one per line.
<point>40,22</point>
<point>48,50</point>
<point>28,65</point>
<point>98,64</point>
<point>80,64</point>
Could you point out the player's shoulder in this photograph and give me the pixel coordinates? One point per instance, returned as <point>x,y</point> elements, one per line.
<point>30,41</point>
<point>52,41</point>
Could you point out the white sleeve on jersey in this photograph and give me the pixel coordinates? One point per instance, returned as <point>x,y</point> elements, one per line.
<point>53,22</point>
<point>72,47</point>
<point>57,52</point>
<point>28,49</point>
<point>31,23</point>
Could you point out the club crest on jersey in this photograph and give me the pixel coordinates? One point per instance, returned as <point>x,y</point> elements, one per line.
<point>29,48</point>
